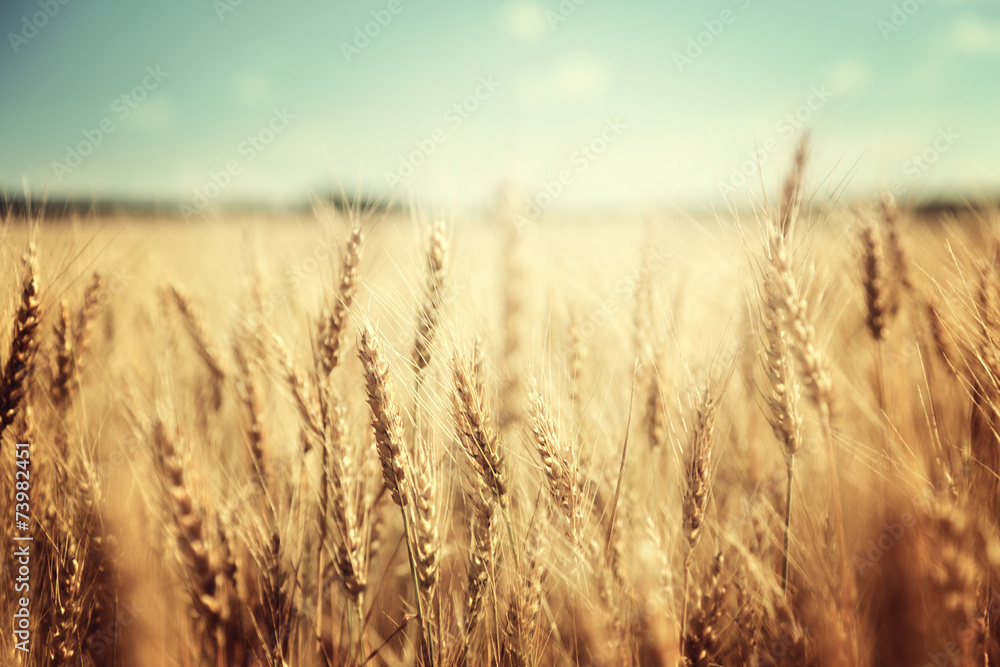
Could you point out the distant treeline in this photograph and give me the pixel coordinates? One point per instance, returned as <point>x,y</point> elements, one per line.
<point>55,208</point>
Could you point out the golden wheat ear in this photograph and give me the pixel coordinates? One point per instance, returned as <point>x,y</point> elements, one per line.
<point>898,254</point>
<point>475,430</point>
<point>873,280</point>
<point>192,539</point>
<point>791,193</point>
<point>203,342</point>
<point>64,362</point>
<point>87,313</point>
<point>558,464</point>
<point>333,324</point>
<point>386,419</point>
<point>23,345</point>
<point>427,316</point>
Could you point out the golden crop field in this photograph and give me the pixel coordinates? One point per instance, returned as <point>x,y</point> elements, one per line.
<point>368,438</point>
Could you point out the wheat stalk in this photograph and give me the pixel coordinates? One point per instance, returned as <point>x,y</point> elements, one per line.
<point>816,378</point>
<point>386,420</point>
<point>698,486</point>
<point>87,313</point>
<point>476,435</point>
<point>65,358</point>
<point>898,254</point>
<point>656,411</point>
<point>388,429</point>
<point>482,557</point>
<point>191,539</point>
<point>425,514</point>
<point>703,634</point>
<point>782,399</point>
<point>332,324</point>
<point>20,363</point>
<point>302,391</point>
<point>873,271</point>
<point>558,464</point>
<point>427,316</point>
<point>791,193</point>
<point>250,396</point>
<point>203,344</point>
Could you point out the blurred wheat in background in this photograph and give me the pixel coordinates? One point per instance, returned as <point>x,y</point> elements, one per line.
<point>764,440</point>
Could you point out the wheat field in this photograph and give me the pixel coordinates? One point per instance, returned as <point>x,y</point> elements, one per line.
<point>366,438</point>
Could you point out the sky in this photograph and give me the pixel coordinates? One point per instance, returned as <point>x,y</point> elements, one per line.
<point>577,103</point>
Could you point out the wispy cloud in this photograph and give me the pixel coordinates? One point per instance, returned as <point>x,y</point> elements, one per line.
<point>155,116</point>
<point>251,89</point>
<point>849,75</point>
<point>574,77</point>
<point>525,20</point>
<point>976,35</point>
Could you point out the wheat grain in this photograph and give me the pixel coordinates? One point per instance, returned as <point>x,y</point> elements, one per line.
<point>20,362</point>
<point>333,324</point>
<point>472,421</point>
<point>874,281</point>
<point>386,421</point>
<point>427,317</point>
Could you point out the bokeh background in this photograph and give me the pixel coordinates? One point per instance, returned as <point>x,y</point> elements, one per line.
<point>695,90</point>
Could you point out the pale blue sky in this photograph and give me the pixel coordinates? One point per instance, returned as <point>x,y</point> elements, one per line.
<point>884,97</point>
